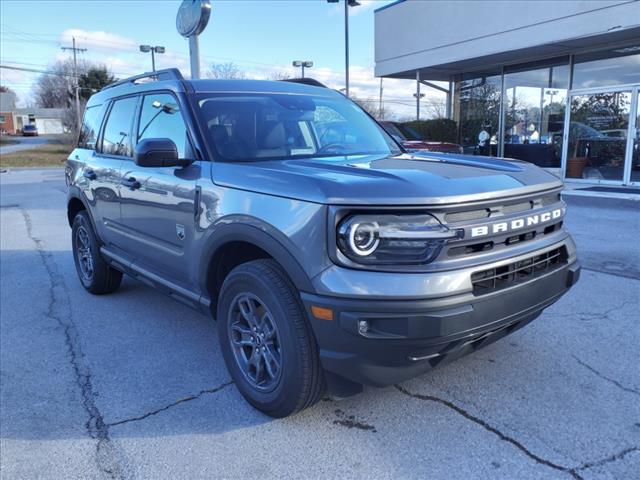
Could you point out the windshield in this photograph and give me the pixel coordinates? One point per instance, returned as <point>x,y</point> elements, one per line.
<point>267,126</point>
<point>409,133</point>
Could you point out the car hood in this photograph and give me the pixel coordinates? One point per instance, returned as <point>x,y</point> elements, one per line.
<point>427,144</point>
<point>406,179</point>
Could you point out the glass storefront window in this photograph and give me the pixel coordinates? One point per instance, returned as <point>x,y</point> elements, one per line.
<point>477,112</point>
<point>598,135</point>
<point>534,100</point>
<point>535,103</point>
<point>606,69</point>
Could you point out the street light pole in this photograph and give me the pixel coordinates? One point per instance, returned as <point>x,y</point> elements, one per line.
<point>302,64</point>
<point>346,47</point>
<point>153,50</point>
<point>347,4</point>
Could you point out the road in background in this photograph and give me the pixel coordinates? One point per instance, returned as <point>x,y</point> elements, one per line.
<point>132,385</point>
<point>26,143</point>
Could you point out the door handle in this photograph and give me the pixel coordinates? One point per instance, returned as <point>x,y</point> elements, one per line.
<point>131,183</point>
<point>89,174</point>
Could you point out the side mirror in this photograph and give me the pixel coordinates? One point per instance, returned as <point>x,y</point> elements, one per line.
<point>158,152</point>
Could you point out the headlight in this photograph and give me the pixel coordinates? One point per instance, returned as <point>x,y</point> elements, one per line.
<point>393,239</point>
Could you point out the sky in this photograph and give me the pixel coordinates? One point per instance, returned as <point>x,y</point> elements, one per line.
<point>260,36</point>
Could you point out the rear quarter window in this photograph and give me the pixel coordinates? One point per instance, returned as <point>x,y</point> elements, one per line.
<point>91,123</point>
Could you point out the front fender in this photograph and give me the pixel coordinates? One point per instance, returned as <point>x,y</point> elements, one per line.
<point>260,234</point>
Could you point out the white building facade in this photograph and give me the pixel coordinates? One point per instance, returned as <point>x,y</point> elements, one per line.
<point>555,83</point>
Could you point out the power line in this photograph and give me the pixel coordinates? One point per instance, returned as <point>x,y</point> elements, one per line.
<point>24,69</point>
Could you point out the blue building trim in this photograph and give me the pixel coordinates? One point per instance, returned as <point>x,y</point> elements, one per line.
<point>388,6</point>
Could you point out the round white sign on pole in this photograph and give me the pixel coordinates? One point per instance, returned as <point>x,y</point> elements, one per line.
<point>193,16</point>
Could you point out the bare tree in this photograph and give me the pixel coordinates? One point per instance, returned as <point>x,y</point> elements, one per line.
<point>280,75</point>
<point>436,109</point>
<point>371,105</point>
<point>54,89</point>
<point>227,70</point>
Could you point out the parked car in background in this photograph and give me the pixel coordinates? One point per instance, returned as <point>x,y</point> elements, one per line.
<point>412,140</point>
<point>30,130</point>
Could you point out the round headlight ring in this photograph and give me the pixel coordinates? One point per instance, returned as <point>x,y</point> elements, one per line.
<point>371,240</point>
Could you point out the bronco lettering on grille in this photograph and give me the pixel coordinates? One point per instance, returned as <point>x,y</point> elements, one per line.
<point>516,224</point>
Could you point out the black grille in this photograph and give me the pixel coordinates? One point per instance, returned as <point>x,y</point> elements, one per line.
<point>550,199</point>
<point>517,207</point>
<point>468,215</point>
<point>523,206</point>
<point>506,276</point>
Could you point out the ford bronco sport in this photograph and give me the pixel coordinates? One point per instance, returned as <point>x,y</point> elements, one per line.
<point>329,256</point>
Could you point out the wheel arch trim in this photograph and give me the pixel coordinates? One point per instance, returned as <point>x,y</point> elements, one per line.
<point>252,234</point>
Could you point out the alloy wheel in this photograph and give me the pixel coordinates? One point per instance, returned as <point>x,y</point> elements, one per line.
<point>83,252</point>
<point>253,335</point>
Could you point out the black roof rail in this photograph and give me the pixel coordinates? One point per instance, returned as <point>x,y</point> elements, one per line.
<point>306,81</point>
<point>166,74</point>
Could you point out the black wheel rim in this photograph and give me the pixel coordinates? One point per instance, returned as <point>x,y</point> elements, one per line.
<point>253,335</point>
<point>83,253</point>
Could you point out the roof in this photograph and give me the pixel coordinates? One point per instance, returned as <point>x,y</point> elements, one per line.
<point>249,86</point>
<point>7,101</point>
<point>442,40</point>
<point>172,80</point>
<point>42,112</point>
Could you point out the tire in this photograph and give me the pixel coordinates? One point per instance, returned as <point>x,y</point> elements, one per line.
<point>95,274</point>
<point>287,376</point>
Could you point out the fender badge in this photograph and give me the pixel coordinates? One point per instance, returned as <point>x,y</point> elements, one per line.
<point>180,231</point>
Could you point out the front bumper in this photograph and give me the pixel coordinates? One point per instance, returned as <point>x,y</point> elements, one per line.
<point>405,338</point>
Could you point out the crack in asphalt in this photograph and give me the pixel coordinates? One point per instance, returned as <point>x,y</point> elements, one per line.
<point>571,471</point>
<point>589,316</point>
<point>106,455</point>
<point>610,380</point>
<point>632,276</point>
<point>167,407</point>
<point>612,458</point>
<point>604,315</point>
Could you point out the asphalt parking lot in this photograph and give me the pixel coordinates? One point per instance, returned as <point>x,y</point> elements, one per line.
<point>132,385</point>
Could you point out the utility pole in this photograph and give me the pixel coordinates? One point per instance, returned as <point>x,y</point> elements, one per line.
<point>75,75</point>
<point>346,47</point>
<point>380,107</point>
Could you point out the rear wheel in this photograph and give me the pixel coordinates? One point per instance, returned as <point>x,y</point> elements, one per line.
<point>95,274</point>
<point>266,341</point>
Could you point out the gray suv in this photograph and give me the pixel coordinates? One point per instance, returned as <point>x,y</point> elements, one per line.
<point>330,257</point>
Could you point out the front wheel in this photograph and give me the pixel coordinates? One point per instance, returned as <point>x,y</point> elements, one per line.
<point>267,343</point>
<point>94,273</point>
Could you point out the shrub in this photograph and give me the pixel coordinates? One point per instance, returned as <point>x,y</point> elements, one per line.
<point>437,129</point>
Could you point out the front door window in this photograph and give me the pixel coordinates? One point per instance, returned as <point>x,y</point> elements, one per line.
<point>598,129</point>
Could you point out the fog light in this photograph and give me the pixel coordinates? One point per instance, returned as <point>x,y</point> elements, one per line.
<point>363,327</point>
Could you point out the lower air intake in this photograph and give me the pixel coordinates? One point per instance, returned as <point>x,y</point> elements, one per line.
<point>515,273</point>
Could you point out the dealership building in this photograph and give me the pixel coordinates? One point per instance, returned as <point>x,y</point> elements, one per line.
<point>555,83</point>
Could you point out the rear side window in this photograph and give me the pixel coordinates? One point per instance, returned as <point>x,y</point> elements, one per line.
<point>91,126</point>
<point>116,139</point>
<point>160,117</point>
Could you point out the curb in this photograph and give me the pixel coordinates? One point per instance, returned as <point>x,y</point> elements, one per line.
<point>601,199</point>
